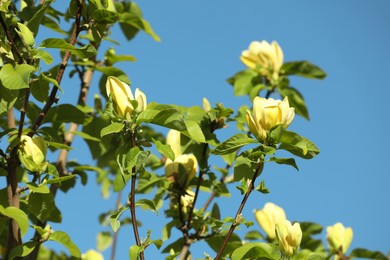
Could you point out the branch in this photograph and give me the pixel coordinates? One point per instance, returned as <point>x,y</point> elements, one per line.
<point>131,202</point>
<point>52,98</point>
<point>11,41</point>
<point>115,238</point>
<point>236,222</point>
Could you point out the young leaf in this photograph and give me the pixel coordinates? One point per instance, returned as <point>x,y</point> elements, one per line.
<point>38,189</point>
<point>233,144</point>
<point>164,149</point>
<point>261,187</point>
<point>256,251</point>
<point>112,128</point>
<point>84,52</point>
<point>23,250</point>
<point>194,131</point>
<point>115,223</point>
<point>147,204</point>
<point>365,253</point>
<point>18,215</point>
<point>103,241</point>
<point>304,69</point>
<point>17,77</point>
<point>296,101</point>
<point>64,239</point>
<point>287,161</point>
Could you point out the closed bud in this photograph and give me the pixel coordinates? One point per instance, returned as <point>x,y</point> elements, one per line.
<point>174,141</point>
<point>268,113</point>
<point>268,217</point>
<point>206,105</point>
<point>265,58</point>
<point>121,95</point>
<point>289,237</point>
<point>32,153</point>
<point>338,237</point>
<point>186,200</point>
<point>26,35</point>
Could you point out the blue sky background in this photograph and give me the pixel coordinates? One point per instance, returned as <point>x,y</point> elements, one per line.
<point>200,48</point>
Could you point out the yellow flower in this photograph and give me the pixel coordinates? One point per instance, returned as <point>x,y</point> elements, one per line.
<point>174,140</point>
<point>120,94</point>
<point>92,255</point>
<point>32,153</point>
<point>339,236</point>
<point>289,237</point>
<point>189,165</point>
<point>268,113</point>
<point>268,217</point>
<point>263,57</point>
<point>187,200</point>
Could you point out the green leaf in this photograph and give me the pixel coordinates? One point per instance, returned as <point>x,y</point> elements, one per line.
<point>137,22</point>
<point>104,241</point>
<point>66,113</point>
<point>164,149</point>
<point>38,189</point>
<point>51,80</point>
<point>304,69</point>
<point>134,252</point>
<point>64,239</point>
<point>163,115</point>
<point>261,188</point>
<point>112,128</point>
<point>44,55</point>
<point>17,77</point>
<point>18,215</point>
<point>256,251</point>
<point>244,81</point>
<point>35,21</point>
<point>84,52</point>
<point>26,35</point>
<point>215,242</point>
<point>286,161</point>
<point>40,90</point>
<point>365,253</point>
<point>253,235</point>
<point>243,168</point>
<point>233,144</point>
<point>296,101</point>
<point>59,180</point>
<point>115,223</point>
<point>23,249</point>
<point>215,212</point>
<point>104,16</point>
<point>60,146</point>
<point>294,143</point>
<point>86,136</point>
<point>41,205</point>
<point>113,58</point>
<point>147,204</point>
<point>194,131</point>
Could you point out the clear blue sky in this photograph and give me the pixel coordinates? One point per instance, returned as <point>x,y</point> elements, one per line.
<point>200,48</point>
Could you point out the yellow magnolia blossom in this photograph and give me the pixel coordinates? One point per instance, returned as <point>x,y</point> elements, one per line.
<point>263,57</point>
<point>268,217</point>
<point>92,255</point>
<point>174,140</point>
<point>120,94</point>
<point>268,113</point>
<point>187,200</point>
<point>32,153</point>
<point>289,237</point>
<point>339,236</point>
<point>189,164</point>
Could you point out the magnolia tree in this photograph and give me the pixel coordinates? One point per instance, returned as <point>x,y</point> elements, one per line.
<point>131,155</point>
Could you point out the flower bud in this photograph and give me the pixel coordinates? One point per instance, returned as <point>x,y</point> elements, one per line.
<point>183,169</point>
<point>174,140</point>
<point>32,153</point>
<point>206,105</point>
<point>289,237</point>
<point>268,113</point>
<point>268,217</point>
<point>263,57</point>
<point>339,236</point>
<point>120,94</point>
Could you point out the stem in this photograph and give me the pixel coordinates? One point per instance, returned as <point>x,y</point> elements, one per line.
<point>132,202</point>
<point>115,238</point>
<point>11,41</point>
<point>52,98</point>
<point>257,173</point>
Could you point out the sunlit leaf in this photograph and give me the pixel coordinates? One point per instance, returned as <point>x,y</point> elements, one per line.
<point>233,144</point>
<point>64,239</point>
<point>17,77</point>
<point>84,52</point>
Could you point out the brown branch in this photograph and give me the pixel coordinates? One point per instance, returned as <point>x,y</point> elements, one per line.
<point>131,202</point>
<point>115,238</point>
<point>52,98</point>
<point>11,41</point>
<point>236,222</point>
<point>23,111</point>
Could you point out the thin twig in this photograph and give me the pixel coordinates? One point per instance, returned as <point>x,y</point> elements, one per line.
<point>132,202</point>
<point>236,222</point>
<point>52,98</point>
<point>23,111</point>
<point>11,41</point>
<point>115,238</point>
